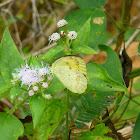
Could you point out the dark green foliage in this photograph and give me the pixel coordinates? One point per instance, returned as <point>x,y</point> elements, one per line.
<point>89,3</point>
<point>78,18</point>
<point>92,106</point>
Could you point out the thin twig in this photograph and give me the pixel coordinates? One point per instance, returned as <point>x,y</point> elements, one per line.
<point>127,103</point>
<point>113,21</point>
<point>43,50</point>
<point>16,30</point>
<point>132,38</point>
<point>30,27</point>
<point>34,24</point>
<point>133,96</point>
<point>5,3</point>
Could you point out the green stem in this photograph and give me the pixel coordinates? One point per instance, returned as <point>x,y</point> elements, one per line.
<point>112,20</point>
<point>127,103</point>
<point>67,117</point>
<point>11,111</point>
<point>125,21</point>
<point>123,12</point>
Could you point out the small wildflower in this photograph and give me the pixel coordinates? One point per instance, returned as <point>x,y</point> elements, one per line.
<point>45,85</point>
<point>72,35</point>
<point>35,88</point>
<point>54,37</point>
<point>31,92</point>
<point>61,23</point>
<point>48,96</point>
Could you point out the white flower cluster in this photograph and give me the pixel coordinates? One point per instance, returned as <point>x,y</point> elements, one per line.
<point>61,23</point>
<point>33,78</point>
<point>56,36</point>
<point>72,35</point>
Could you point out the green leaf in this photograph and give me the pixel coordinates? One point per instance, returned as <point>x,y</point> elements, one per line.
<point>55,86</point>
<point>53,113</point>
<point>100,129</point>
<point>14,92</point>
<point>112,65</point>
<point>79,45</point>
<point>34,61</point>
<point>37,106</point>
<point>97,133</point>
<point>11,127</point>
<point>136,130</point>
<point>119,99</point>
<point>139,49</point>
<point>28,129</point>
<point>10,58</point>
<point>83,49</point>
<point>78,18</point>
<point>114,68</point>
<point>4,88</point>
<point>135,73</point>
<point>83,34</point>
<point>136,85</point>
<point>89,3</point>
<point>50,56</point>
<point>99,80</point>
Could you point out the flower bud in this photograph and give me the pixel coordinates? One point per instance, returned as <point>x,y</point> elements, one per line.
<point>48,96</point>
<point>45,85</point>
<point>35,88</point>
<point>31,92</point>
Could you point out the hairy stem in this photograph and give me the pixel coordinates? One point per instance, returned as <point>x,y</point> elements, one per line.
<point>67,117</point>
<point>112,20</point>
<point>125,21</point>
<point>11,111</point>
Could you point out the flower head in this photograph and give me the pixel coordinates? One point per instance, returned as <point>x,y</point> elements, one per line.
<point>27,75</point>
<point>30,76</point>
<point>54,37</point>
<point>61,23</point>
<point>72,35</point>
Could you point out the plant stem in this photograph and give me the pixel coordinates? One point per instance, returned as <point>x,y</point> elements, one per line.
<point>11,111</point>
<point>110,17</point>
<point>67,117</point>
<point>126,104</point>
<point>125,21</point>
<point>123,11</point>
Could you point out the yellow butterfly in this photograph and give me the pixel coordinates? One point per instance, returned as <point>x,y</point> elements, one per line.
<point>71,71</point>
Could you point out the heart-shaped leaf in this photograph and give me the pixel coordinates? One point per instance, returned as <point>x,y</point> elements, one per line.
<point>53,113</point>
<point>10,127</point>
<point>37,105</point>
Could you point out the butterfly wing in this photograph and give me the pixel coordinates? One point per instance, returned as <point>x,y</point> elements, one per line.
<point>72,61</point>
<point>73,79</point>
